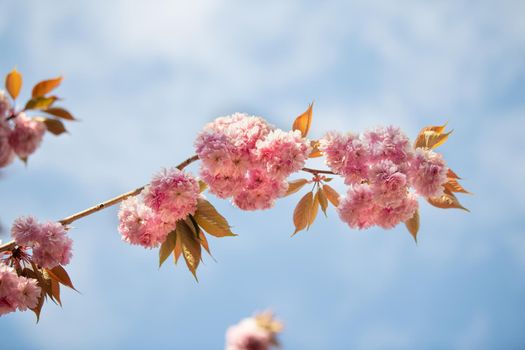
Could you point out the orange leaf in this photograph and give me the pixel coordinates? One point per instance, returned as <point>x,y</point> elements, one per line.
<point>55,291</point>
<point>167,246</point>
<point>315,150</point>
<point>313,210</point>
<point>302,122</point>
<point>301,214</point>
<point>59,274</point>
<point>210,220</point>
<point>13,83</point>
<point>46,86</point>
<point>54,126</point>
<point>295,185</point>
<point>454,186</point>
<point>332,195</point>
<point>452,175</point>
<point>177,251</point>
<point>40,102</point>
<point>446,201</point>
<point>60,113</point>
<point>191,247</point>
<point>430,139</point>
<point>412,225</point>
<point>323,202</point>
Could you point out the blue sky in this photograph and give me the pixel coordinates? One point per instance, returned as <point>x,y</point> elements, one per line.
<point>144,77</point>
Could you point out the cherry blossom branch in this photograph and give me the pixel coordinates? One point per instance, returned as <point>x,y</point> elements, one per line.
<point>70,219</point>
<point>115,200</point>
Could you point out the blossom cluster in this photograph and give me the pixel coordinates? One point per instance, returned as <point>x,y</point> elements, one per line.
<point>20,135</point>
<point>246,158</point>
<point>381,166</point>
<point>16,292</point>
<point>48,240</point>
<point>147,219</point>
<point>253,333</point>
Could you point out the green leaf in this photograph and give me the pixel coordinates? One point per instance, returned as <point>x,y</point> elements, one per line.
<point>167,247</point>
<point>210,220</point>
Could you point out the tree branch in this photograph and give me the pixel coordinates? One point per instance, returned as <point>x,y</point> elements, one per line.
<point>110,202</point>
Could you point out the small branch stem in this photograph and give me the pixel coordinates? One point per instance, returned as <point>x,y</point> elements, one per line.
<point>317,171</point>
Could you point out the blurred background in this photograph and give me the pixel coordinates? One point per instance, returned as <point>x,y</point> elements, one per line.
<point>145,76</point>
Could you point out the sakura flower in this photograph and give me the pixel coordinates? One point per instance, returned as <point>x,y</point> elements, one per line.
<point>16,292</point>
<point>223,186</point>
<point>53,248</point>
<point>358,209</point>
<point>26,136</point>
<point>283,153</point>
<point>388,143</point>
<point>5,106</point>
<point>390,216</point>
<point>28,293</point>
<point>248,335</point>
<point>259,191</point>
<point>48,240</point>
<point>346,155</point>
<point>6,151</point>
<point>388,183</point>
<point>172,194</point>
<point>138,224</point>
<point>427,173</point>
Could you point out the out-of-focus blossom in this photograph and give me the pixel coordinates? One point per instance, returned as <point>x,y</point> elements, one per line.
<point>26,135</point>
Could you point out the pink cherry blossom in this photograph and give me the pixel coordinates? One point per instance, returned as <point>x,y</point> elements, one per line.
<point>223,186</point>
<point>428,173</point>
<point>139,225</point>
<point>259,191</point>
<point>248,335</point>
<point>28,292</point>
<point>172,194</point>
<point>8,289</point>
<point>5,106</point>
<point>48,240</point>
<point>390,216</point>
<point>54,247</point>
<point>388,183</point>
<point>358,209</point>
<point>388,143</point>
<point>346,155</point>
<point>16,292</point>
<point>27,135</point>
<point>6,151</point>
<point>283,153</point>
<point>25,230</point>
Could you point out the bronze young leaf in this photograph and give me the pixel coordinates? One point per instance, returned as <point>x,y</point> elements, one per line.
<point>302,122</point>
<point>210,220</point>
<point>13,83</point>
<point>301,214</point>
<point>167,247</point>
<point>45,86</point>
<point>295,185</point>
<point>412,225</point>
